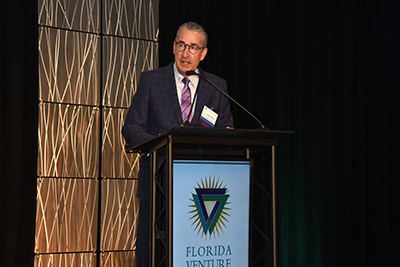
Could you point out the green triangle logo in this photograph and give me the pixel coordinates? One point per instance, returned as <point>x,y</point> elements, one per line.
<point>210,203</point>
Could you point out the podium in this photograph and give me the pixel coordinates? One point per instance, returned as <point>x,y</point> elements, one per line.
<point>211,209</point>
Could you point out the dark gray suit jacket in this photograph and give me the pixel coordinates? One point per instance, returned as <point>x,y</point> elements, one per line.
<point>155,109</point>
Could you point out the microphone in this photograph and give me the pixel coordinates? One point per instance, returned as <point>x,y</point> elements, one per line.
<point>192,72</point>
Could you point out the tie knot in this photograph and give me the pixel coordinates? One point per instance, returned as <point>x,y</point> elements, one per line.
<point>186,80</point>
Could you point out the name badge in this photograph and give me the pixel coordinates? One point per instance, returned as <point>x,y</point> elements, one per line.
<point>208,117</point>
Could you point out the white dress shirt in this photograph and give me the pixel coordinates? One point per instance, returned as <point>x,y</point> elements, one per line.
<point>194,81</point>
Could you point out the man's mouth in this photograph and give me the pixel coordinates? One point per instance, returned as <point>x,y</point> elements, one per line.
<point>185,62</point>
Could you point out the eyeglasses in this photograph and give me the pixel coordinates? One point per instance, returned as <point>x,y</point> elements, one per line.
<point>193,48</point>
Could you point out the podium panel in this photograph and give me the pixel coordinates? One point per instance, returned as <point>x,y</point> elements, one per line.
<point>210,209</point>
<point>200,196</point>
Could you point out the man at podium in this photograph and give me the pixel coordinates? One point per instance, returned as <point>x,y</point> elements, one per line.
<point>169,97</point>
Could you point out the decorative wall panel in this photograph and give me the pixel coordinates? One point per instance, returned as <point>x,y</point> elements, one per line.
<point>124,60</point>
<point>66,218</point>
<point>119,208</point>
<point>131,18</point>
<point>68,141</point>
<point>91,54</point>
<point>115,162</point>
<point>66,260</point>
<point>69,67</point>
<point>117,259</point>
<point>82,15</point>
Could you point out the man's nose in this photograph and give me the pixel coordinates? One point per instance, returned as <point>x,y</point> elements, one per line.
<point>186,52</point>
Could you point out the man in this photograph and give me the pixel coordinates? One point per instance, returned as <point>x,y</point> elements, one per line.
<point>162,101</point>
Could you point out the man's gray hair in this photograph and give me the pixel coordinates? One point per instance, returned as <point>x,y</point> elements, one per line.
<point>193,26</point>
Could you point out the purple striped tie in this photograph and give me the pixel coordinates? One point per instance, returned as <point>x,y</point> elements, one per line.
<point>185,100</point>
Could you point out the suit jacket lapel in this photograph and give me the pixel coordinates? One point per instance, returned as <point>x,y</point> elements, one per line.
<point>201,99</point>
<point>170,87</point>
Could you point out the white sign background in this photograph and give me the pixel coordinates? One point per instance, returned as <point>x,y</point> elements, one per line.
<point>188,246</point>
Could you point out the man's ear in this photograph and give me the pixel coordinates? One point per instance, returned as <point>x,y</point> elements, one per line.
<point>203,53</point>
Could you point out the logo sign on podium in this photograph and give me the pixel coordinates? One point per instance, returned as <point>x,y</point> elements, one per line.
<point>211,213</point>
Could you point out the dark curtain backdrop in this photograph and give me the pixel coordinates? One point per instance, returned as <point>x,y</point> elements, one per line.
<point>18,131</point>
<point>329,71</point>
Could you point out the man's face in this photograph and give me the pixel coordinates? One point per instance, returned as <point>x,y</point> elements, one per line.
<point>185,60</point>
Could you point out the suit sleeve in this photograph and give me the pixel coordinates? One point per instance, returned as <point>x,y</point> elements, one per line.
<point>135,129</point>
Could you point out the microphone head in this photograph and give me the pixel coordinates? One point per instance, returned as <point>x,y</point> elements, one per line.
<point>191,72</point>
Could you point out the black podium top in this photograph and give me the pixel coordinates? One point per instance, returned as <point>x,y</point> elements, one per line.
<point>203,137</point>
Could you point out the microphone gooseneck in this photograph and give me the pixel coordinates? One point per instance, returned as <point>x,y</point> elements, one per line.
<point>192,72</point>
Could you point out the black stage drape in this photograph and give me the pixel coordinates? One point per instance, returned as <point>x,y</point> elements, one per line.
<point>18,131</point>
<point>329,71</point>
